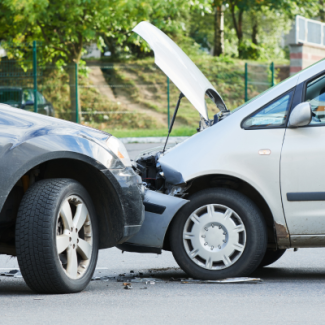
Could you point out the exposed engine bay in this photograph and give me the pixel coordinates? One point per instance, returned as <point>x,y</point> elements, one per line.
<point>164,179</point>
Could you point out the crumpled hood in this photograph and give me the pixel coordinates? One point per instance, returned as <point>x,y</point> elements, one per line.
<point>179,68</point>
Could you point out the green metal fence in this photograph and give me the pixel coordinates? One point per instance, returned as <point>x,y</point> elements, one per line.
<point>110,95</point>
<point>258,78</point>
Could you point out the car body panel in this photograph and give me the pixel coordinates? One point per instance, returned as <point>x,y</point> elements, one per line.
<point>301,171</point>
<point>302,175</point>
<point>179,68</point>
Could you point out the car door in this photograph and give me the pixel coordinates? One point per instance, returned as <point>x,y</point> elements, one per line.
<point>302,173</point>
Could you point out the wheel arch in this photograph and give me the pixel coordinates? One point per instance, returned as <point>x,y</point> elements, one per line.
<point>237,184</point>
<point>103,189</point>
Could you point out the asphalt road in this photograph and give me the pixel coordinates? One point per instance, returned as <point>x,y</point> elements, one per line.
<point>292,292</point>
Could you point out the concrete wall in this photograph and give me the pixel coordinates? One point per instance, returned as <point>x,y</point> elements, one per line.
<point>304,55</point>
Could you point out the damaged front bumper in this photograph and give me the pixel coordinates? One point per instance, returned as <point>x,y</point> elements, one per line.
<point>131,194</point>
<point>159,211</point>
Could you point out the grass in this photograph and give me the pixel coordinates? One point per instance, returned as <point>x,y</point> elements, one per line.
<point>180,131</point>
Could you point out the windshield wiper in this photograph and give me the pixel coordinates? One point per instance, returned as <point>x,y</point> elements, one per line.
<point>173,119</point>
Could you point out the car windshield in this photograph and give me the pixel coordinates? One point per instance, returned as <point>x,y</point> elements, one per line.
<point>10,97</point>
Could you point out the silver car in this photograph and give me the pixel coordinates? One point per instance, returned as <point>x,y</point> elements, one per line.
<point>248,186</point>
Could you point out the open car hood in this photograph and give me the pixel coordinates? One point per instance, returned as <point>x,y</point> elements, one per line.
<point>179,68</point>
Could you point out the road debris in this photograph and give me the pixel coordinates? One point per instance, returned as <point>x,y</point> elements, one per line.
<point>12,273</point>
<point>127,285</point>
<point>136,277</point>
<point>146,280</point>
<point>228,280</point>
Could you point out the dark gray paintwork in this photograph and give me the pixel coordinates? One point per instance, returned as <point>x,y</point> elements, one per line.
<point>28,139</point>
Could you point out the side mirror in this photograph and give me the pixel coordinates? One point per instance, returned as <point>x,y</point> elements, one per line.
<point>300,115</point>
<point>29,103</point>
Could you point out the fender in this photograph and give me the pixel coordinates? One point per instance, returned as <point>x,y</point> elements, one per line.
<point>19,159</point>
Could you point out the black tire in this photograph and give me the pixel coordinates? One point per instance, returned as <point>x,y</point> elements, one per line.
<point>256,234</point>
<point>36,231</point>
<point>271,256</point>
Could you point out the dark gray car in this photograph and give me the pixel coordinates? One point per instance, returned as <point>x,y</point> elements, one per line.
<point>24,98</point>
<point>66,191</point>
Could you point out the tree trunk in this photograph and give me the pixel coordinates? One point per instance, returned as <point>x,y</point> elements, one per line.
<point>322,11</point>
<point>218,31</point>
<point>254,32</point>
<point>73,94</point>
<point>238,24</point>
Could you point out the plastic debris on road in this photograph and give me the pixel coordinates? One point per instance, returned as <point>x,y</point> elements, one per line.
<point>12,273</point>
<point>127,285</point>
<point>228,280</point>
<point>135,277</point>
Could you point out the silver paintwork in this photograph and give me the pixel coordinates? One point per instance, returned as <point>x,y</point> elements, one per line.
<point>214,237</point>
<point>301,171</point>
<point>153,230</point>
<point>300,115</point>
<point>76,250</point>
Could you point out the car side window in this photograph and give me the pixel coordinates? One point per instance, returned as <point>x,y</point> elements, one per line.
<point>27,96</point>
<point>315,95</point>
<point>273,114</point>
<point>40,98</point>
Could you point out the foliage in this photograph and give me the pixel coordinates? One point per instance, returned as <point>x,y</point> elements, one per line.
<point>170,16</point>
<point>272,19</point>
<point>65,26</point>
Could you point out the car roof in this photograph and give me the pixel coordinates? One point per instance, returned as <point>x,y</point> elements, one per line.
<point>11,88</point>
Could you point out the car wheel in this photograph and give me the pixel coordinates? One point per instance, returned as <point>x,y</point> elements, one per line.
<point>57,236</point>
<point>220,233</point>
<point>271,257</point>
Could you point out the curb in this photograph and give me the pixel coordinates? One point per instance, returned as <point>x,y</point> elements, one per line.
<point>153,140</point>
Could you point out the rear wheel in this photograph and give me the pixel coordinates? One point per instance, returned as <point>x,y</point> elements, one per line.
<point>271,256</point>
<point>57,237</point>
<point>220,233</point>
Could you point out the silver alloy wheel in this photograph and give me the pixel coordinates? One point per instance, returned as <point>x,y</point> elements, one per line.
<point>74,237</point>
<point>214,237</point>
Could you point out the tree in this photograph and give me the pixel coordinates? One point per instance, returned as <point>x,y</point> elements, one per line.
<point>170,16</point>
<point>322,10</point>
<point>237,9</point>
<point>219,47</point>
<point>64,26</point>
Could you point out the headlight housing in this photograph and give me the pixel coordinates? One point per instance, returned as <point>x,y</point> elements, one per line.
<point>119,150</point>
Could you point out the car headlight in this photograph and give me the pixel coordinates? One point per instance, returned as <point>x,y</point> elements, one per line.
<point>119,150</point>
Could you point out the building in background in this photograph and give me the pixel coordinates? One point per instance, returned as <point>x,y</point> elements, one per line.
<point>92,51</point>
<point>306,41</point>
